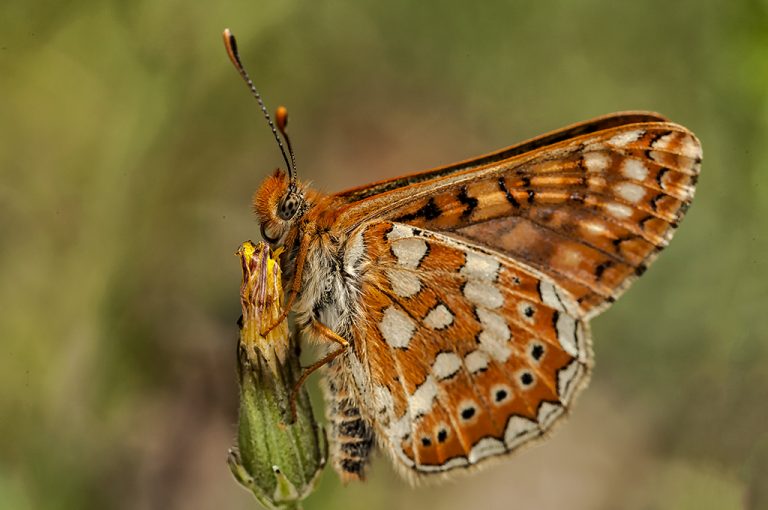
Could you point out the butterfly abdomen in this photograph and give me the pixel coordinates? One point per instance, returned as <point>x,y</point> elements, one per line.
<point>351,438</point>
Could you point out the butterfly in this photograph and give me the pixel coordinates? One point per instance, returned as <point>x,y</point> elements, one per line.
<point>459,298</point>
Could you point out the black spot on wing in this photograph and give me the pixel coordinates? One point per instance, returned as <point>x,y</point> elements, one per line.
<point>600,269</point>
<point>428,211</point>
<point>660,177</point>
<point>469,202</point>
<point>510,198</point>
<point>654,201</point>
<point>527,186</point>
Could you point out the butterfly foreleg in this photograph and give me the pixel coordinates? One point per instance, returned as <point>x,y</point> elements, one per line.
<point>295,287</point>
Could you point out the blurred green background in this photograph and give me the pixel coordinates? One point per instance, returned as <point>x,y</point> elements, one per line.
<point>129,149</point>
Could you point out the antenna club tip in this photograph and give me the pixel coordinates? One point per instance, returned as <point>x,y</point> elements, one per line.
<point>281,116</point>
<point>231,45</point>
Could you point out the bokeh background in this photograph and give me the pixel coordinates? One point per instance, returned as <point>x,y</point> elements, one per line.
<point>129,150</point>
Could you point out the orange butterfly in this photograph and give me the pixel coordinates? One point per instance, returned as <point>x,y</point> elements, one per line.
<point>460,296</point>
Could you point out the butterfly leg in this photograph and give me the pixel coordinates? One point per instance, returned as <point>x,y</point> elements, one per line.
<point>351,437</point>
<point>321,331</point>
<point>295,287</point>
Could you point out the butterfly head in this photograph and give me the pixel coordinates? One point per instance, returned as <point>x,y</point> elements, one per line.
<point>279,204</point>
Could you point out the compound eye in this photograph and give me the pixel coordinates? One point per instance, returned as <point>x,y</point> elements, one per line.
<point>288,207</point>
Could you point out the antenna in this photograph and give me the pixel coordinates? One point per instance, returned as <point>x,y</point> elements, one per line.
<point>231,45</point>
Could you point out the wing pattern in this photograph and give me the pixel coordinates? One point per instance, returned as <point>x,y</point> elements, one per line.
<point>488,352</point>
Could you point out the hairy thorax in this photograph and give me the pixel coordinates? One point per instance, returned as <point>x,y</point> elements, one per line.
<point>330,287</point>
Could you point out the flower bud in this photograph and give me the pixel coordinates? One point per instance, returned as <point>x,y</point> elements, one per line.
<point>278,459</point>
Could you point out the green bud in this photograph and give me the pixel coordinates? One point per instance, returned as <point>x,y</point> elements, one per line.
<point>277,459</point>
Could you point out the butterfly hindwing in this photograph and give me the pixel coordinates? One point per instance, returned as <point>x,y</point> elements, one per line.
<point>466,354</point>
<point>591,211</point>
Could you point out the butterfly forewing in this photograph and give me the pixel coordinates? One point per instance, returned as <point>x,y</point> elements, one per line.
<point>590,211</point>
<point>567,133</point>
<point>471,354</point>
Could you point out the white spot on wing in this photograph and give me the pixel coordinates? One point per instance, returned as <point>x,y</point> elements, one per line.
<point>404,283</point>
<point>396,327</point>
<point>549,295</point>
<point>569,256</point>
<point>617,210</point>
<point>594,228</point>
<point>400,428</point>
<point>495,335</point>
<point>634,169</point>
<point>567,380</point>
<point>399,231</point>
<point>409,251</point>
<point>566,331</point>
<point>486,447</point>
<point>481,266</point>
<point>439,317</point>
<point>519,430</point>
<point>448,465</point>
<point>421,400</point>
<point>548,413</point>
<point>446,365</point>
<point>625,138</point>
<point>664,142</point>
<point>630,192</point>
<point>483,294</point>
<point>557,299</point>
<point>690,148</point>
<point>476,361</point>
<point>596,162</point>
